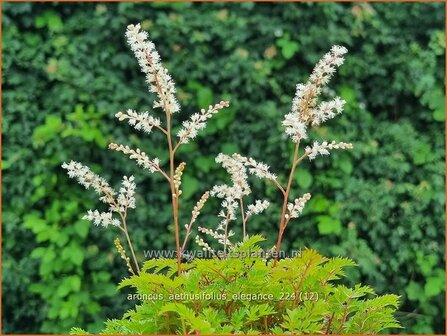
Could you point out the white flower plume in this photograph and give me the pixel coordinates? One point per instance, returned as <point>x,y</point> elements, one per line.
<point>220,237</point>
<point>238,174</point>
<point>258,169</point>
<point>138,155</point>
<point>198,121</point>
<point>257,208</point>
<point>101,218</point>
<point>327,110</point>
<point>296,208</point>
<point>126,196</point>
<point>89,179</point>
<point>120,205</point>
<point>304,105</point>
<point>327,66</point>
<point>157,77</point>
<point>324,147</point>
<point>295,129</point>
<point>140,121</point>
<point>229,194</point>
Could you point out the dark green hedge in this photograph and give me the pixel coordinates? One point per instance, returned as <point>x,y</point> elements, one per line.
<point>67,70</point>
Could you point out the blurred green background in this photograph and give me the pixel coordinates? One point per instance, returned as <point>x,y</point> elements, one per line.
<point>67,70</point>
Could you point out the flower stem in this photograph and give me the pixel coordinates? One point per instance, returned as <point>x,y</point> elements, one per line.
<point>227,221</point>
<point>282,223</point>
<point>244,220</point>
<point>129,242</point>
<point>174,195</point>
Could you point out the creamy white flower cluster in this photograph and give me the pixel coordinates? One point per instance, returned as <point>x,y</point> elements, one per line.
<point>229,204</point>
<point>238,174</point>
<point>327,66</point>
<point>327,110</point>
<point>101,218</point>
<point>258,169</point>
<point>157,77</point>
<point>296,208</point>
<point>220,237</point>
<point>198,207</point>
<point>89,179</point>
<point>323,148</point>
<point>304,106</point>
<point>140,121</point>
<point>236,165</point>
<point>125,199</point>
<point>198,121</point>
<point>257,208</point>
<point>230,194</point>
<point>138,155</point>
<point>126,196</point>
<point>204,245</point>
<point>295,128</point>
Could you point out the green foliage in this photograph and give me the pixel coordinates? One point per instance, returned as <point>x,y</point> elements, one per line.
<point>64,250</point>
<point>246,295</point>
<point>67,71</point>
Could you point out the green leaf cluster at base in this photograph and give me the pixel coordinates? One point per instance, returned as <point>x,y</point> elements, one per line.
<point>248,295</point>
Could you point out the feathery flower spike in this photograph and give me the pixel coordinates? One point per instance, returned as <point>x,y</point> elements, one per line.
<point>140,121</point>
<point>304,105</point>
<point>198,121</point>
<point>138,155</point>
<point>89,179</point>
<point>157,77</point>
<point>126,196</point>
<point>296,208</point>
<point>258,169</point>
<point>324,147</point>
<point>256,208</point>
<point>101,218</point>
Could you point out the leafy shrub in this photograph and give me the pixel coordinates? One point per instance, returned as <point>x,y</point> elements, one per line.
<point>246,295</point>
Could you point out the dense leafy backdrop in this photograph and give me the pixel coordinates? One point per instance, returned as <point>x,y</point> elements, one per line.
<point>67,71</point>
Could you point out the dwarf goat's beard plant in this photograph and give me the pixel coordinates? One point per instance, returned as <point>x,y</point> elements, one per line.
<point>241,288</point>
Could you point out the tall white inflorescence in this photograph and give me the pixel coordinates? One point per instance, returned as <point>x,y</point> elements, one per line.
<point>258,207</point>
<point>119,205</point>
<point>324,147</point>
<point>296,208</point>
<point>89,179</point>
<point>238,174</point>
<point>198,121</point>
<point>256,168</point>
<point>126,196</point>
<point>140,121</point>
<point>157,77</point>
<point>304,109</point>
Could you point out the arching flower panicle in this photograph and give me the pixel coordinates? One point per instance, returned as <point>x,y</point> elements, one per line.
<point>157,77</point>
